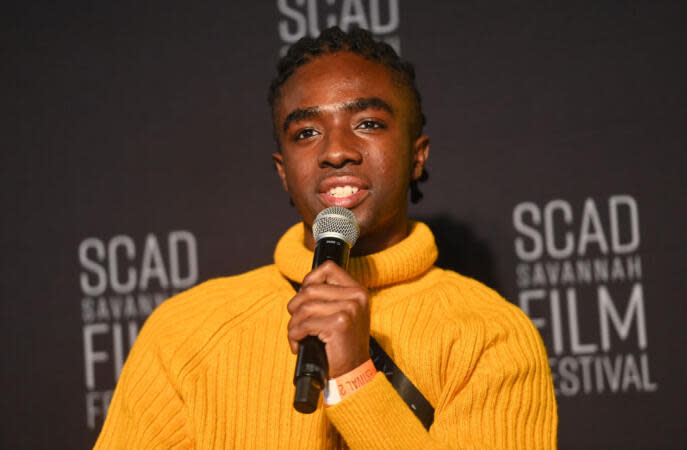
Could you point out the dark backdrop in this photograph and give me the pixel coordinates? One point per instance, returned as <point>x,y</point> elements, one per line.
<point>136,162</point>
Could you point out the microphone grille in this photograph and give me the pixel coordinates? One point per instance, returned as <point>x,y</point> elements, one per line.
<point>336,221</point>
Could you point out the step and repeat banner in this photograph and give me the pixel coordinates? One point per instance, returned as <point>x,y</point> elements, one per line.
<point>137,163</point>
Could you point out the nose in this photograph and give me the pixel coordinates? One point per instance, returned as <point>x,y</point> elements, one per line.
<point>339,148</point>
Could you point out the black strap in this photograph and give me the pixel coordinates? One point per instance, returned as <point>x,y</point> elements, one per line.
<point>405,388</point>
<point>417,402</point>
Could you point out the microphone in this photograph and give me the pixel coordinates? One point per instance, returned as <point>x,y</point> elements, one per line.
<point>335,230</point>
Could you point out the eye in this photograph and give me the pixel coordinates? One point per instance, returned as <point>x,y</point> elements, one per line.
<point>305,134</point>
<point>369,124</point>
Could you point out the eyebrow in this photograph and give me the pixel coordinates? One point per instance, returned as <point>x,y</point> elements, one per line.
<point>357,105</point>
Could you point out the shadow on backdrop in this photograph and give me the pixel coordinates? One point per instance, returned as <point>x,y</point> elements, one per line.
<point>461,250</point>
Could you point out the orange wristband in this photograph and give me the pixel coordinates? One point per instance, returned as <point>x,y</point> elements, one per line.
<point>346,384</point>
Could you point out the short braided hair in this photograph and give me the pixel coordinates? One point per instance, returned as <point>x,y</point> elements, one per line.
<point>362,43</point>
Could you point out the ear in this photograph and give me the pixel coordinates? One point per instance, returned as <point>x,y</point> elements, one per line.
<point>420,155</point>
<point>278,159</point>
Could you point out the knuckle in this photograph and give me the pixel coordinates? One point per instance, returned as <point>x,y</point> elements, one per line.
<point>305,309</point>
<point>307,290</point>
<point>361,297</point>
<point>353,308</point>
<point>342,320</point>
<point>307,279</point>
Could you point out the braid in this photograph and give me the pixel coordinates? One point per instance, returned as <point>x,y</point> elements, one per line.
<point>362,43</point>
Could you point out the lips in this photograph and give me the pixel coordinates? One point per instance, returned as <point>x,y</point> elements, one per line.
<point>347,191</point>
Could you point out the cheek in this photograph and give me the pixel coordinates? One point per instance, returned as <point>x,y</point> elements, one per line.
<point>300,179</point>
<point>394,168</point>
<point>296,180</point>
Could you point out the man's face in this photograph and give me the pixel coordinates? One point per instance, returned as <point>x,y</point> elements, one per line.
<point>345,130</point>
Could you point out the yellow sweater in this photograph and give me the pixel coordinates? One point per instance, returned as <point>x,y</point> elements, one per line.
<point>212,366</point>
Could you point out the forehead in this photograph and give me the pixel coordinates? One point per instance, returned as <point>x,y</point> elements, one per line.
<point>337,78</point>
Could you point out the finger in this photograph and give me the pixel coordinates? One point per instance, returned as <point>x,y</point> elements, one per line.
<point>327,292</point>
<point>324,327</point>
<point>330,273</point>
<point>319,308</point>
<point>322,308</point>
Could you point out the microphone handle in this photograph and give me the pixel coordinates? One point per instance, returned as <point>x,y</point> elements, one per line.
<point>312,368</point>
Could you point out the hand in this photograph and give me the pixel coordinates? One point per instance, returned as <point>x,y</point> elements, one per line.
<point>334,307</point>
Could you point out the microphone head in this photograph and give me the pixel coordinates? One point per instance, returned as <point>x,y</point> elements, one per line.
<point>336,222</point>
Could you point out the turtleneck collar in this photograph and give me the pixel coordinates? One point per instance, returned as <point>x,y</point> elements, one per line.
<point>403,261</point>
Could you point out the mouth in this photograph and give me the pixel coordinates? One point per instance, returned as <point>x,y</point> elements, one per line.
<point>345,191</point>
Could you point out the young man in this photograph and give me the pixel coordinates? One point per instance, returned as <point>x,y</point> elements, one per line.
<point>213,367</point>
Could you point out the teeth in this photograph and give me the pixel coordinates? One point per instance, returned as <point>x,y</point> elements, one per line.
<point>342,191</point>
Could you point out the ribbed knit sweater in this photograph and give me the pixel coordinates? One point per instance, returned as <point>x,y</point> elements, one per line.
<point>212,368</point>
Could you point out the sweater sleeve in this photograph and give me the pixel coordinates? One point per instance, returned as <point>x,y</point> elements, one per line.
<point>146,410</point>
<point>497,395</point>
